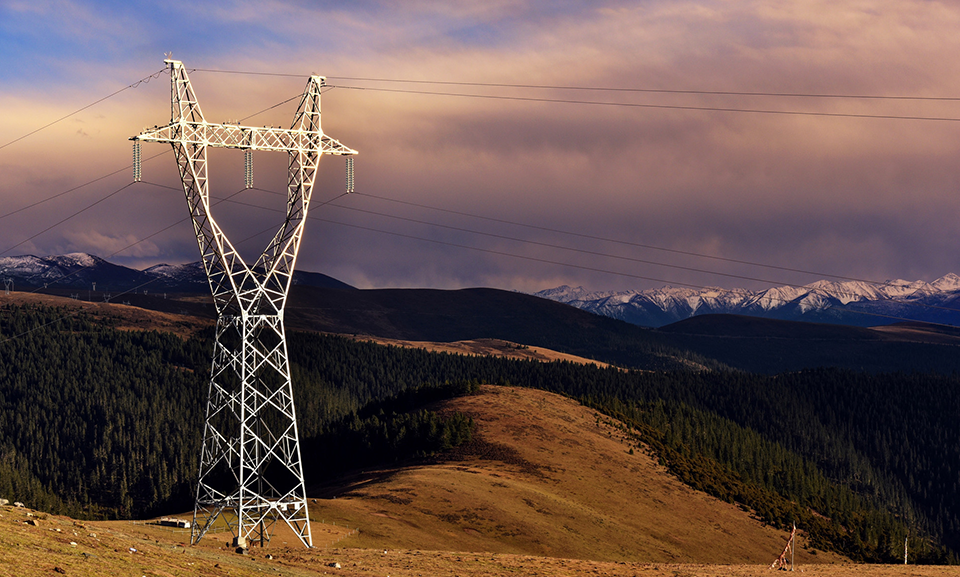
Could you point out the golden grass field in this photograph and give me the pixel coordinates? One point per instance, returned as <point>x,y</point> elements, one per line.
<point>121,549</point>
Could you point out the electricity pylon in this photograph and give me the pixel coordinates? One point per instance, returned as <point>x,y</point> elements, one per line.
<point>251,471</point>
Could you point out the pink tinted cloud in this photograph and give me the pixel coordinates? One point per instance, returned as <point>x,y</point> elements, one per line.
<point>834,194</point>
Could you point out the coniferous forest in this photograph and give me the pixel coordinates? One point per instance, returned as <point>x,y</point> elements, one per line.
<point>99,422</point>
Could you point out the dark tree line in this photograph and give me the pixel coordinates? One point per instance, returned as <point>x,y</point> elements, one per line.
<point>389,431</point>
<point>98,422</point>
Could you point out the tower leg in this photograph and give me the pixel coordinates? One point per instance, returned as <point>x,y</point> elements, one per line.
<point>251,472</point>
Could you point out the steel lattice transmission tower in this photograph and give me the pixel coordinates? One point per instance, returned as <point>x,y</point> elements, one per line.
<point>251,472</point>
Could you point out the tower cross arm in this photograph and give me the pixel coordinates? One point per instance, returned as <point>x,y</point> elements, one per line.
<point>245,138</point>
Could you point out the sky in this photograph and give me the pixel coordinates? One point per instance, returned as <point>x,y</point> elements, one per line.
<point>518,188</point>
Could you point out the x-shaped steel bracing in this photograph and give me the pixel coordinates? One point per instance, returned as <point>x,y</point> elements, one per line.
<point>251,421</point>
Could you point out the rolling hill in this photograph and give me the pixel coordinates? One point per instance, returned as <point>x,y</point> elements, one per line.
<point>710,341</point>
<point>547,476</point>
<point>526,487</point>
<point>772,346</point>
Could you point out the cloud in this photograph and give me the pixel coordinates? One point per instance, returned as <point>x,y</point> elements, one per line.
<point>100,244</point>
<point>837,195</point>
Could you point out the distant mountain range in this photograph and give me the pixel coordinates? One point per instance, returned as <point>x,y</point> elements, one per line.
<point>764,345</point>
<point>854,303</point>
<point>82,271</point>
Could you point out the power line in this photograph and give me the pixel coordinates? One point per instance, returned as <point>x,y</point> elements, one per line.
<point>504,237</point>
<point>247,72</point>
<point>156,74</point>
<point>82,210</point>
<point>162,230</point>
<point>479,249</point>
<point>595,253</point>
<point>273,227</point>
<point>114,193</point>
<point>58,195</point>
<point>34,329</point>
<point>600,270</point>
<point>78,187</point>
<point>620,242</point>
<point>143,80</point>
<point>119,170</point>
<point>655,106</point>
<point>134,85</point>
<point>633,259</point>
<point>602,88</point>
<point>657,90</point>
<point>773,283</point>
<point>294,97</point>
<point>550,245</point>
<point>271,107</point>
<point>456,245</point>
<point>168,227</point>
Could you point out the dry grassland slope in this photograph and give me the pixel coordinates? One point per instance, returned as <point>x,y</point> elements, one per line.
<point>547,476</point>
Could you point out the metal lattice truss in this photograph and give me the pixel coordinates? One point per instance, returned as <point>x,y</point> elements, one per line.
<point>251,472</point>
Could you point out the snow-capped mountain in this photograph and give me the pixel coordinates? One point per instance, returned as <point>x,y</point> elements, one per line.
<point>80,271</point>
<point>191,276</point>
<point>848,302</point>
<point>75,270</point>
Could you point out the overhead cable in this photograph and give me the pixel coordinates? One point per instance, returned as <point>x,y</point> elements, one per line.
<point>773,283</point>
<point>78,187</point>
<point>655,90</point>
<point>621,242</point>
<point>600,270</point>
<point>116,252</point>
<point>77,213</point>
<point>143,80</point>
<point>599,88</point>
<point>656,106</point>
